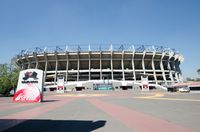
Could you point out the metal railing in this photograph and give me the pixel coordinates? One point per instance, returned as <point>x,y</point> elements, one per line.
<point>95,47</point>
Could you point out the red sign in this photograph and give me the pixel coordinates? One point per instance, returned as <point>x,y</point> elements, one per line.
<point>27,94</point>
<point>29,88</point>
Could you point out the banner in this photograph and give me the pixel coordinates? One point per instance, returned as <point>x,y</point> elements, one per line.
<point>30,85</point>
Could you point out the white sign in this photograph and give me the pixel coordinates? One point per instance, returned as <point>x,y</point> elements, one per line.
<point>124,83</point>
<point>145,83</point>
<point>60,84</point>
<point>30,86</point>
<point>79,84</point>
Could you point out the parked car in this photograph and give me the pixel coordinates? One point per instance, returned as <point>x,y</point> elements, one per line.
<point>184,90</point>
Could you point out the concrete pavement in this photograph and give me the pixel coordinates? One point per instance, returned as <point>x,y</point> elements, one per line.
<point>104,111</point>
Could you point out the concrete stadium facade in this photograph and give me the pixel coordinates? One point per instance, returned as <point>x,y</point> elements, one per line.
<point>120,63</point>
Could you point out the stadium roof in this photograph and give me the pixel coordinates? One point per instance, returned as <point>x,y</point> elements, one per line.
<point>95,47</point>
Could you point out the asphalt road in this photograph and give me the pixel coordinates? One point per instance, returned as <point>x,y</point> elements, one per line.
<point>104,111</point>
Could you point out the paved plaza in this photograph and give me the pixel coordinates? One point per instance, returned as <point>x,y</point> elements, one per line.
<point>104,111</point>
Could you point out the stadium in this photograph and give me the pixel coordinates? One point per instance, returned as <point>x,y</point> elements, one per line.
<point>117,66</point>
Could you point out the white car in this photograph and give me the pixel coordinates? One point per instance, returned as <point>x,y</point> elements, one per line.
<point>184,90</point>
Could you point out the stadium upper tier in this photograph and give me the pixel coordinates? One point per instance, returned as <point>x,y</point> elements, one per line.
<point>113,62</point>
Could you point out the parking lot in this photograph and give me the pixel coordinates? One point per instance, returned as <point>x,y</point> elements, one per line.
<point>104,111</point>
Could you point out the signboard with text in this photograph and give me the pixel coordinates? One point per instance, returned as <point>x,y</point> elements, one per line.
<point>29,88</point>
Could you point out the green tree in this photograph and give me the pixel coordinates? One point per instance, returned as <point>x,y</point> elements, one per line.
<point>198,79</point>
<point>8,77</point>
<point>198,71</point>
<point>189,79</point>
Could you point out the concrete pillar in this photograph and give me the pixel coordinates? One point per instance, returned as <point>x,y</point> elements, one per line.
<point>153,67</point>
<point>180,77</point>
<point>176,75</point>
<point>176,70</point>
<point>46,66</point>
<point>78,67</point>
<point>122,63</point>
<point>23,67</point>
<point>67,66</point>
<point>35,56</point>
<point>100,66</point>
<point>162,68</point>
<point>29,62</point>
<point>170,70</point>
<point>22,62</point>
<point>56,69</point>
<point>133,67</point>
<point>111,63</point>
<point>143,65</point>
<point>89,66</point>
<point>29,65</point>
<point>36,67</point>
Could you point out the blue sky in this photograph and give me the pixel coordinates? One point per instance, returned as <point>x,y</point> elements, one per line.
<point>170,23</point>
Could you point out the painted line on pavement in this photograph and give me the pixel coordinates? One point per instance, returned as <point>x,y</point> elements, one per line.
<point>82,95</point>
<point>174,99</point>
<point>137,121</point>
<point>152,96</point>
<point>22,116</point>
<point>14,106</point>
<point>160,97</point>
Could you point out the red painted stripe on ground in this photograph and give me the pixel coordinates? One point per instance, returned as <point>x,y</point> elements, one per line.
<point>14,106</point>
<point>29,114</point>
<point>137,120</point>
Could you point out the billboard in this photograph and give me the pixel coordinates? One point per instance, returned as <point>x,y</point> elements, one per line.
<point>30,86</point>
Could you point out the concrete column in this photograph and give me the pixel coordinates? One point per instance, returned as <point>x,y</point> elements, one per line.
<point>22,62</point>
<point>36,67</point>
<point>180,78</point>
<point>46,66</point>
<point>143,65</point>
<point>176,75</point>
<point>78,67</point>
<point>122,63</point>
<point>35,56</point>
<point>100,66</point>
<point>29,62</point>
<point>56,68</point>
<point>153,67</point>
<point>171,76</point>
<point>111,63</point>
<point>67,65</point>
<point>89,66</point>
<point>29,65</point>
<point>23,67</point>
<point>162,68</point>
<point>170,70</point>
<point>176,71</point>
<point>133,67</point>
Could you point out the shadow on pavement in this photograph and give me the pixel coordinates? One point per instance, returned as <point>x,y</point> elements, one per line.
<point>40,125</point>
<point>45,101</point>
